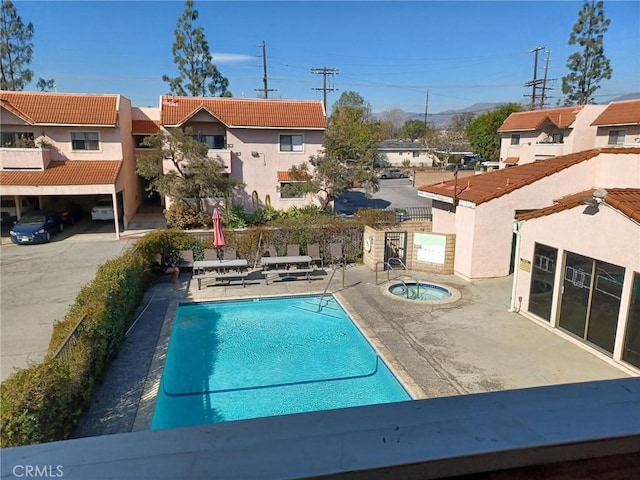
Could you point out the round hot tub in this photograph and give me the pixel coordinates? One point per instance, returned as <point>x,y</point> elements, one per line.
<point>423,292</point>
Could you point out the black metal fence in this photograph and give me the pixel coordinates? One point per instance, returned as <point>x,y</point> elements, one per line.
<point>411,213</point>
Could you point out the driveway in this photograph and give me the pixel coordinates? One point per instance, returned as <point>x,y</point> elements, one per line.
<point>38,283</point>
<point>393,193</point>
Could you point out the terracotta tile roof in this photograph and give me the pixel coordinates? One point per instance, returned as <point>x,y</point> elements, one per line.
<point>147,127</point>
<point>70,172</point>
<point>532,120</point>
<point>511,160</point>
<point>627,200</point>
<point>482,188</point>
<point>564,203</point>
<point>240,112</point>
<point>286,177</point>
<point>620,113</point>
<point>45,108</point>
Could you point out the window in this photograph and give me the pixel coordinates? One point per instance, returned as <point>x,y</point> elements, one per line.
<point>631,348</point>
<point>542,280</point>
<point>214,142</point>
<point>291,143</point>
<point>557,138</point>
<point>616,137</point>
<point>290,190</point>
<point>138,139</point>
<point>515,139</point>
<point>17,140</point>
<point>416,154</point>
<point>85,141</point>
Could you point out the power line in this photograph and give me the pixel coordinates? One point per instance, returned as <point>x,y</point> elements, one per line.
<point>324,71</point>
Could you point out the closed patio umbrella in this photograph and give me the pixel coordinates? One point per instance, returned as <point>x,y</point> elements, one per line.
<point>218,236</point>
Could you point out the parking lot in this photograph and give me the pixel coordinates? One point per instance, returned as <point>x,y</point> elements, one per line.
<point>38,283</point>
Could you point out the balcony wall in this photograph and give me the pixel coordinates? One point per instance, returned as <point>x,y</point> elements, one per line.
<point>24,158</point>
<point>222,155</point>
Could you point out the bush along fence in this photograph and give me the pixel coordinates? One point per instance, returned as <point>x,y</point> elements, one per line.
<point>45,402</point>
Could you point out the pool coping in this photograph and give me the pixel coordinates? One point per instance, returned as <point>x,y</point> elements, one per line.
<point>146,407</point>
<point>455,294</point>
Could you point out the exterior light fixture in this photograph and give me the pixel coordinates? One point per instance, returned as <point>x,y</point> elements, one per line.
<point>257,155</point>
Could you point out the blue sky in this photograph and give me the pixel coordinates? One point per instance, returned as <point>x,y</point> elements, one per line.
<point>391,53</point>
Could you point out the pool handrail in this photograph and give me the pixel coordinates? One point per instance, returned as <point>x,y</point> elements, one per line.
<point>415,280</point>
<point>389,269</point>
<point>327,287</point>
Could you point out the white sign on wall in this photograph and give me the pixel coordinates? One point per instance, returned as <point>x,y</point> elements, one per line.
<point>431,247</point>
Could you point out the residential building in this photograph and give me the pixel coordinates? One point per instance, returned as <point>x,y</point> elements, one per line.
<point>59,144</point>
<point>399,153</point>
<point>257,140</point>
<point>542,134</point>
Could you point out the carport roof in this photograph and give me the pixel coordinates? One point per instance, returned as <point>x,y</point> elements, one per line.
<point>70,172</point>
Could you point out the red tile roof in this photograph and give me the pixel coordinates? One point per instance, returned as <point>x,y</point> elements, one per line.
<point>285,176</point>
<point>620,113</point>
<point>482,188</point>
<point>240,112</point>
<point>532,120</point>
<point>511,160</point>
<point>70,172</point>
<point>147,127</point>
<point>626,200</point>
<point>45,108</point>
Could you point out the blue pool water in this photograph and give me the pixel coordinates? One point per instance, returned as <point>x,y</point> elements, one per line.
<point>235,360</point>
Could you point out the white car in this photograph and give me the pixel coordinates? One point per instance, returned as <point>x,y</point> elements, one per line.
<point>102,210</point>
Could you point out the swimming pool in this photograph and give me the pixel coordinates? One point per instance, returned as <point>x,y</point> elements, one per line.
<point>233,360</point>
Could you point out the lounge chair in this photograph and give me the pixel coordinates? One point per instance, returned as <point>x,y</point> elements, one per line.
<point>293,250</point>
<point>185,259</point>
<point>270,251</point>
<point>337,257</point>
<point>229,254</point>
<point>313,250</point>
<point>210,254</point>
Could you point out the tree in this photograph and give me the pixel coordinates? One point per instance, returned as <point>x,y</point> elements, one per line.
<point>198,76</point>
<point>589,67</point>
<point>194,176</point>
<point>391,122</point>
<point>350,148</point>
<point>413,129</point>
<point>16,49</point>
<point>46,85</point>
<point>483,134</point>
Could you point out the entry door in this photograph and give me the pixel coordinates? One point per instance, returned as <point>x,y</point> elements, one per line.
<point>591,300</point>
<point>395,248</point>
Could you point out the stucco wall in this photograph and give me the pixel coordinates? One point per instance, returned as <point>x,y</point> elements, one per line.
<point>132,195</point>
<point>589,235</point>
<point>632,137</point>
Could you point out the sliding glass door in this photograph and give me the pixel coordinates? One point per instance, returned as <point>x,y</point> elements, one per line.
<point>631,349</point>
<point>591,299</point>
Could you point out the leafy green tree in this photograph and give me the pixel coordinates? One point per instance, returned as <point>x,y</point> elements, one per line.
<point>482,131</point>
<point>46,85</point>
<point>16,49</point>
<point>590,66</point>
<point>350,148</point>
<point>194,175</point>
<point>413,129</point>
<point>198,76</point>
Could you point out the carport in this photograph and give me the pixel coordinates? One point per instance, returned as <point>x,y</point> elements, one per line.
<point>68,178</point>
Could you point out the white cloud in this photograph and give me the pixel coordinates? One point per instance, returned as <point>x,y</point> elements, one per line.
<point>231,57</point>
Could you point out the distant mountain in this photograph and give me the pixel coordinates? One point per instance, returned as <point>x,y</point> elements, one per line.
<point>442,119</point>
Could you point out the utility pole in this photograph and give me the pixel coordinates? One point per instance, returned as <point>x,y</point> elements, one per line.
<point>535,82</point>
<point>426,109</point>
<point>324,71</point>
<point>265,90</point>
<point>543,96</point>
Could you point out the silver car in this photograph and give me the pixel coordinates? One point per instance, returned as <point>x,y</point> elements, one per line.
<point>392,173</point>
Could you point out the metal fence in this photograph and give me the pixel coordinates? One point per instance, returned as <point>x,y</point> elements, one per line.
<point>65,351</point>
<point>411,213</point>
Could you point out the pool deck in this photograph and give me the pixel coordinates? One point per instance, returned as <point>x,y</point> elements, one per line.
<point>472,345</point>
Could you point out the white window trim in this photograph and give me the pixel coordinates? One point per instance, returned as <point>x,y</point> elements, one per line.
<point>280,135</point>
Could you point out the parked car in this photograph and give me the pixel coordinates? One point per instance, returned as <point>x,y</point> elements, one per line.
<point>71,214</point>
<point>102,210</point>
<point>392,173</point>
<point>36,227</point>
<point>8,208</point>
